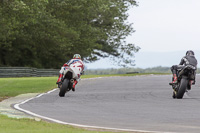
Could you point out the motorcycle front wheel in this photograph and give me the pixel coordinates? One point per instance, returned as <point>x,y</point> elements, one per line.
<point>64,88</point>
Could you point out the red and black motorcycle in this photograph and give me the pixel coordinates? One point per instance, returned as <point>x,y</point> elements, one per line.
<point>186,78</point>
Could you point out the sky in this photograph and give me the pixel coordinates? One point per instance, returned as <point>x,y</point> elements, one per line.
<point>162,26</point>
<point>166,25</point>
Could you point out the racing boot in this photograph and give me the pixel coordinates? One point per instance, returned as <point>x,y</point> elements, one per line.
<point>174,80</point>
<point>74,84</point>
<point>59,82</point>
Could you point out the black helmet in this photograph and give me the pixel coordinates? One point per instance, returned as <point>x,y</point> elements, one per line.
<point>189,52</point>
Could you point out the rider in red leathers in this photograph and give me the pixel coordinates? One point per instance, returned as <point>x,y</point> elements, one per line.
<point>76,59</point>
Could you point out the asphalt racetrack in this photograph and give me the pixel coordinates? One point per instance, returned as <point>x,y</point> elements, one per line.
<point>141,103</point>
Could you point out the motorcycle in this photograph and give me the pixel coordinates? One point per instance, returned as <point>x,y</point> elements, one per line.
<point>71,74</point>
<point>185,79</point>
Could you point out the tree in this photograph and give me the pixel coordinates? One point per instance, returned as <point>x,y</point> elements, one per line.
<point>31,36</point>
<point>100,25</point>
<point>46,33</point>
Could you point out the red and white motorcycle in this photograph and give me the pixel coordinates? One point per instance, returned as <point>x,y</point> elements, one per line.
<point>71,73</point>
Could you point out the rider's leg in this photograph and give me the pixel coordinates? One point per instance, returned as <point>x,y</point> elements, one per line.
<point>59,78</point>
<point>74,84</point>
<point>174,72</point>
<point>59,82</point>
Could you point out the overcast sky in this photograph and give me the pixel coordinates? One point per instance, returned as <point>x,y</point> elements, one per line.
<point>162,26</point>
<point>166,25</point>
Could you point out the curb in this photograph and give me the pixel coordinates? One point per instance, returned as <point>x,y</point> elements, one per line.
<point>6,106</point>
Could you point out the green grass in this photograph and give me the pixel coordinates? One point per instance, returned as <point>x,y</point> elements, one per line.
<point>10,87</point>
<point>11,125</point>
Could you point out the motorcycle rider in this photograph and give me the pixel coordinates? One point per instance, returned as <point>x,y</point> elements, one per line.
<point>76,59</point>
<point>188,59</point>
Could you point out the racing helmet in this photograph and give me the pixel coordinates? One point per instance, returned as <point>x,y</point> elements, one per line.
<point>190,52</point>
<point>77,56</point>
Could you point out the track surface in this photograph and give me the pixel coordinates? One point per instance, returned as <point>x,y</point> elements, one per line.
<point>138,103</point>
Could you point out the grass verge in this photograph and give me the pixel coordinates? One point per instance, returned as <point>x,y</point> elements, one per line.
<point>11,125</point>
<point>10,87</point>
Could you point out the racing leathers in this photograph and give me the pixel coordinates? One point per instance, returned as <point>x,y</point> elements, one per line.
<point>186,60</point>
<point>72,62</point>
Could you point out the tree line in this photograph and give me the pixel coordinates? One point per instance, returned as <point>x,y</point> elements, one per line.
<point>46,33</point>
<point>158,69</point>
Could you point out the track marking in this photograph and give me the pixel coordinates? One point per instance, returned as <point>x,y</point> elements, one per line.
<point>17,106</point>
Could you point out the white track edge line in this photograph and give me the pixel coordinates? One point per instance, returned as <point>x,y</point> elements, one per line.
<point>17,106</point>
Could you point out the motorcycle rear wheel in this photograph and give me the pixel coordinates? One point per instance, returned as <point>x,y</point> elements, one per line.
<point>182,88</point>
<point>64,88</point>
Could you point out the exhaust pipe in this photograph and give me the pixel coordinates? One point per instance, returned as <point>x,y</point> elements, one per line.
<point>72,80</point>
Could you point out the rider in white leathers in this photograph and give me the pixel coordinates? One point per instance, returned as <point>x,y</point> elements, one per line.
<point>75,62</point>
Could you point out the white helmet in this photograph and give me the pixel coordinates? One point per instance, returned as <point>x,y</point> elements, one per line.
<point>77,56</point>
